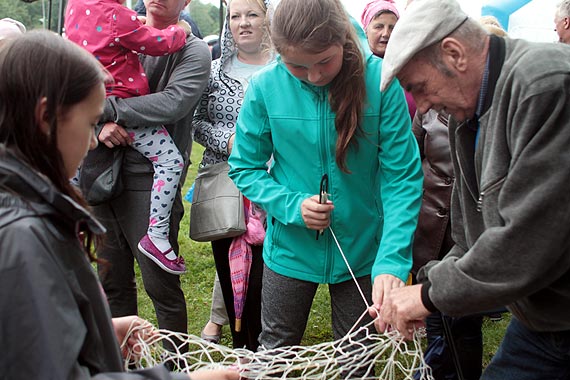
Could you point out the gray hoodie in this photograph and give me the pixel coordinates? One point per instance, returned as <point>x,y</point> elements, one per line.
<point>511,202</point>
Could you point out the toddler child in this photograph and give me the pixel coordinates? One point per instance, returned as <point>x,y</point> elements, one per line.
<point>114,35</point>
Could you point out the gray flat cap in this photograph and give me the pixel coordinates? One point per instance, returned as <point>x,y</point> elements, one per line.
<point>424,23</point>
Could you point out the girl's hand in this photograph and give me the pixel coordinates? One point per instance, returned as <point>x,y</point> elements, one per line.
<point>316,215</point>
<point>215,374</point>
<point>123,325</point>
<point>184,25</point>
<point>383,284</point>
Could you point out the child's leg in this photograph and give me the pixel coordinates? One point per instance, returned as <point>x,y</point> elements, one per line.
<point>157,145</point>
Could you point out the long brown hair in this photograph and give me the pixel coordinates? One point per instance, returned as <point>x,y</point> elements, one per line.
<point>313,26</point>
<point>37,65</point>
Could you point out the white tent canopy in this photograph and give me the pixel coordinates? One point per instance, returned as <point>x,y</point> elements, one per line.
<point>529,19</point>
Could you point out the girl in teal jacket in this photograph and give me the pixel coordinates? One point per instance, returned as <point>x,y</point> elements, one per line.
<point>318,110</point>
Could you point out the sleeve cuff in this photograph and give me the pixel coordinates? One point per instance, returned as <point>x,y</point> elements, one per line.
<point>425,297</point>
<point>108,112</point>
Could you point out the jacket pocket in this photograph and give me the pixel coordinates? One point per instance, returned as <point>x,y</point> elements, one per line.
<point>273,233</point>
<point>488,203</point>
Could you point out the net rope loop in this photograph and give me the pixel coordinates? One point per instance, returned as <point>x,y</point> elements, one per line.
<point>361,354</point>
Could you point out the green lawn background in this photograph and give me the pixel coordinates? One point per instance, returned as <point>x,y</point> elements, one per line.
<point>197,286</point>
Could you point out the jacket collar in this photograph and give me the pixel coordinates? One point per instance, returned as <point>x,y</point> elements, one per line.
<point>41,196</point>
<point>497,53</point>
<point>466,133</point>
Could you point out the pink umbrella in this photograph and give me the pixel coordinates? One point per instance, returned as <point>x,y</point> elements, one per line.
<point>240,257</point>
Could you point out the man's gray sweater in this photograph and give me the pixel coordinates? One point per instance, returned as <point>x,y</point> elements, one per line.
<point>511,202</point>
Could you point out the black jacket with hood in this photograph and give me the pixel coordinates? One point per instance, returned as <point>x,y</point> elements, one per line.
<point>54,320</point>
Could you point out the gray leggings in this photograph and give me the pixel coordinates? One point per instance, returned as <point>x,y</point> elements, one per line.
<point>286,303</point>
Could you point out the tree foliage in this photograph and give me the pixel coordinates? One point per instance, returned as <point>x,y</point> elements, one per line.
<point>32,14</point>
<point>206,16</point>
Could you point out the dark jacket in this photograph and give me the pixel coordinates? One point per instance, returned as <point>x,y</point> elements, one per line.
<point>432,239</point>
<point>54,319</point>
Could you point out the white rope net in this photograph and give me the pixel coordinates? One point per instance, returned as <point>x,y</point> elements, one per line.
<point>361,354</point>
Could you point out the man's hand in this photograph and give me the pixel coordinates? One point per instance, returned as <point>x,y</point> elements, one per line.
<point>402,309</point>
<point>112,134</point>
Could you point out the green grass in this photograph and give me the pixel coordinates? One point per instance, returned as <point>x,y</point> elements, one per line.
<point>197,285</point>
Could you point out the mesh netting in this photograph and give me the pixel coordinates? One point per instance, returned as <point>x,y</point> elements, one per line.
<point>360,354</point>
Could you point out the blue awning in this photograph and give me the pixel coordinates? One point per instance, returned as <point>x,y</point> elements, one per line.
<point>502,9</point>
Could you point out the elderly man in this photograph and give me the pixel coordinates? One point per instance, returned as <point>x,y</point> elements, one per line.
<point>562,21</point>
<point>509,136</point>
<point>176,83</point>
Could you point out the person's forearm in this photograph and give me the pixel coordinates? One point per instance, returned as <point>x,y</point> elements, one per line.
<point>184,88</point>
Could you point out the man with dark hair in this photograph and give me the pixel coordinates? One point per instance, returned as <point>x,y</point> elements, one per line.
<point>184,15</point>
<point>509,135</point>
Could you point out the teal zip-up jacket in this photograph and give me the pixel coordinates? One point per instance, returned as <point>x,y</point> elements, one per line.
<point>376,205</point>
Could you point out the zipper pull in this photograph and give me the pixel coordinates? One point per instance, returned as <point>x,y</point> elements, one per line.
<point>480,201</point>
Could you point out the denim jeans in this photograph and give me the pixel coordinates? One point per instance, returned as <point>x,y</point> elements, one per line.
<point>468,342</point>
<point>529,355</point>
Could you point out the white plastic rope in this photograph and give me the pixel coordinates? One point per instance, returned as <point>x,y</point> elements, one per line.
<point>360,354</point>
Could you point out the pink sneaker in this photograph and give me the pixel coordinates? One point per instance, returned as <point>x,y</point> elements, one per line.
<point>147,248</point>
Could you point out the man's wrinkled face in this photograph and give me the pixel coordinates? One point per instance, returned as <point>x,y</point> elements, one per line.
<point>433,89</point>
